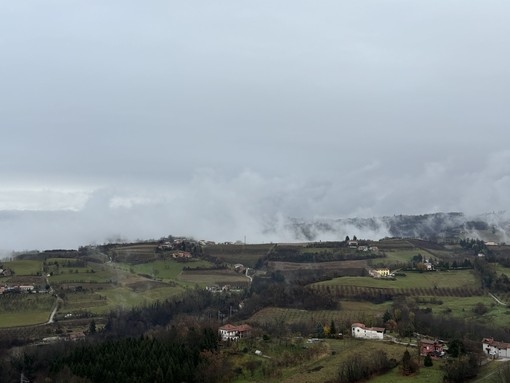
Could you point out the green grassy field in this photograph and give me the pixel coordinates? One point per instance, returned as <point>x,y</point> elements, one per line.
<point>322,368</point>
<point>70,275</point>
<point>463,308</point>
<point>123,297</point>
<point>490,372</point>
<point>25,309</point>
<point>350,312</point>
<point>432,374</point>
<point>502,270</point>
<point>213,277</point>
<point>26,267</point>
<point>82,302</point>
<point>403,256</point>
<point>248,255</point>
<point>23,318</point>
<point>440,279</point>
<point>136,253</point>
<point>168,269</point>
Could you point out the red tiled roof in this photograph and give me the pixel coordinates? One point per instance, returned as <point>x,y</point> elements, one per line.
<point>361,325</point>
<point>493,343</point>
<point>241,328</point>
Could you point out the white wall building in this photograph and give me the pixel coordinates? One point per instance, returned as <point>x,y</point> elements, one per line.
<point>495,349</point>
<point>230,332</point>
<point>359,330</point>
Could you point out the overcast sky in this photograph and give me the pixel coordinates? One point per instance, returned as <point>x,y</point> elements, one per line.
<point>219,119</point>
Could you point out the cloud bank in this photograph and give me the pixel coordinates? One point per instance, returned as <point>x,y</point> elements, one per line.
<point>228,119</point>
<point>212,206</point>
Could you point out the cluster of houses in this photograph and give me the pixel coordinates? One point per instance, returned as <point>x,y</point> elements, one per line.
<point>6,289</point>
<point>71,337</point>
<point>361,247</point>
<point>177,242</point>
<point>223,289</point>
<point>434,348</point>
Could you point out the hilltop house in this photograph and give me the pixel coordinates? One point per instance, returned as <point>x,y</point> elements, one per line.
<point>431,347</point>
<point>495,349</point>
<point>231,332</point>
<point>359,330</point>
<point>379,273</point>
<point>181,255</point>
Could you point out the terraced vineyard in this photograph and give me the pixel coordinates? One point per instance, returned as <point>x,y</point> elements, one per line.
<point>294,316</point>
<point>349,291</point>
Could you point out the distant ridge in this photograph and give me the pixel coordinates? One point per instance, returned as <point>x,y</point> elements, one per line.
<point>436,226</point>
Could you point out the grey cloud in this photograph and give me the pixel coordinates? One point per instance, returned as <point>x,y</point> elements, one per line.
<point>226,118</point>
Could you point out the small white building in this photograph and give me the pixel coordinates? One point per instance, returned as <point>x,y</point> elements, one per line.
<point>359,330</point>
<point>495,349</point>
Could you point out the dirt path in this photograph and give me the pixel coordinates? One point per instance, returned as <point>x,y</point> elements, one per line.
<point>247,276</point>
<point>497,300</point>
<point>51,320</point>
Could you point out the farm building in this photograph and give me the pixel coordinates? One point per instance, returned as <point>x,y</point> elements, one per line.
<point>181,254</point>
<point>379,273</point>
<point>431,347</point>
<point>360,331</point>
<point>496,349</point>
<point>231,332</point>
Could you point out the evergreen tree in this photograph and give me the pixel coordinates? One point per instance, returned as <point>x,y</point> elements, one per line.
<point>92,327</point>
<point>409,366</point>
<point>332,328</point>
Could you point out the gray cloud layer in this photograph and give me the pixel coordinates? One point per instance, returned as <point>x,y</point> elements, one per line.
<point>219,119</point>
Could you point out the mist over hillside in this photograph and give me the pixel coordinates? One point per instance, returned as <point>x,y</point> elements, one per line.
<point>27,230</point>
<point>436,226</point>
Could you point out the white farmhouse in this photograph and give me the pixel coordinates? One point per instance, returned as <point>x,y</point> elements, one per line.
<point>360,331</point>
<point>495,349</point>
<point>231,332</point>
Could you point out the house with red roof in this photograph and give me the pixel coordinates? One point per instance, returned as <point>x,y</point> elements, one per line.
<point>231,332</point>
<point>359,330</point>
<point>430,347</point>
<point>495,349</point>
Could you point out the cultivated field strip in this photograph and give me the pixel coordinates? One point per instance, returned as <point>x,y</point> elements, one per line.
<point>341,291</point>
<point>293,316</point>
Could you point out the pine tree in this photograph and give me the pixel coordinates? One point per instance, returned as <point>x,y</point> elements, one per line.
<point>332,329</point>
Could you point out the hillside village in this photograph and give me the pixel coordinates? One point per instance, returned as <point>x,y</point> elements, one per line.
<point>402,294</point>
